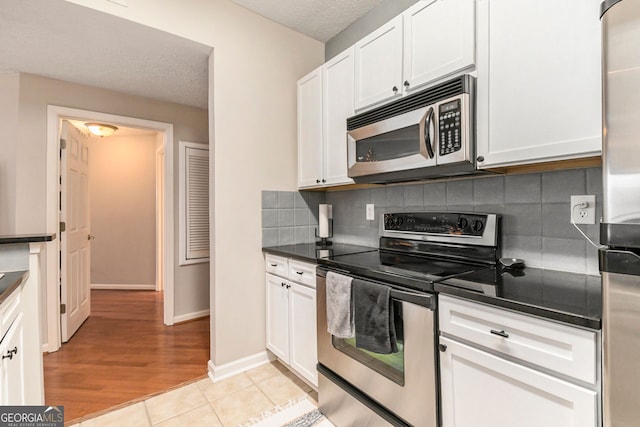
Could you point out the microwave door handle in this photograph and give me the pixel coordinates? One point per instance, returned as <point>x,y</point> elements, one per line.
<point>426,138</point>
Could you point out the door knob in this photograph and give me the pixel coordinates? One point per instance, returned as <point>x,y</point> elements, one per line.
<point>90,237</point>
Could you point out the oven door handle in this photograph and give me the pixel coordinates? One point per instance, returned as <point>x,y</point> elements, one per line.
<point>423,300</point>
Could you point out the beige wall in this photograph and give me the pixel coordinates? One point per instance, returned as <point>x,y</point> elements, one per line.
<point>256,64</point>
<point>35,93</point>
<point>123,210</point>
<point>9,85</point>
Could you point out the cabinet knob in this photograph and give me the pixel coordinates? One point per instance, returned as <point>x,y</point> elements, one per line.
<point>282,284</point>
<point>317,181</point>
<point>480,158</point>
<point>10,353</point>
<point>300,272</point>
<point>395,89</point>
<point>288,286</point>
<point>406,84</point>
<point>324,180</point>
<point>442,347</point>
<point>273,265</point>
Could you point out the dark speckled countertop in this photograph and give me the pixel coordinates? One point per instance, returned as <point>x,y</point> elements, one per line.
<point>561,296</point>
<point>26,238</point>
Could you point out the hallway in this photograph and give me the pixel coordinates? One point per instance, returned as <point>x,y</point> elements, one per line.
<point>124,352</point>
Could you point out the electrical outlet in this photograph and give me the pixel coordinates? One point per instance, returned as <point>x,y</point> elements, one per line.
<point>371,213</point>
<point>583,209</point>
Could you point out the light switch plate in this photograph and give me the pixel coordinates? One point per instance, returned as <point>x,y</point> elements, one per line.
<point>371,212</point>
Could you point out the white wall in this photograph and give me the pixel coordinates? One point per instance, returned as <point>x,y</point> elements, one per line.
<point>256,64</point>
<point>123,210</point>
<point>35,93</point>
<point>9,89</point>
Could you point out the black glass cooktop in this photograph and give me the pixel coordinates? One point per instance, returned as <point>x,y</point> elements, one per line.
<point>418,272</point>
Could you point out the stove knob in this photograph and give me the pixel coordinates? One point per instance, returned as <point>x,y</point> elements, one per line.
<point>399,220</point>
<point>477,225</point>
<point>462,223</point>
<point>390,221</point>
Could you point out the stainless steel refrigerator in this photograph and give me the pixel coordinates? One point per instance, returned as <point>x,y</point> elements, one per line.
<point>620,228</point>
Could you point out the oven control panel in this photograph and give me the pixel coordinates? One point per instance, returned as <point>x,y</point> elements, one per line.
<point>446,223</point>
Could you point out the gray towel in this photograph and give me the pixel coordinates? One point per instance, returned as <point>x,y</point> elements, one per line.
<point>339,313</point>
<point>373,317</point>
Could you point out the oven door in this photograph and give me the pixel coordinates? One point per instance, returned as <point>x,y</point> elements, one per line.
<point>403,383</point>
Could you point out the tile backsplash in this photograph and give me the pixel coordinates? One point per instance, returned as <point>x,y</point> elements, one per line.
<point>535,211</point>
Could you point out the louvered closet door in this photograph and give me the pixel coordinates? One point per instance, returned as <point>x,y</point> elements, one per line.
<point>194,203</point>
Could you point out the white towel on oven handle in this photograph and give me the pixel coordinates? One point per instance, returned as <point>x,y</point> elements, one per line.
<point>339,310</point>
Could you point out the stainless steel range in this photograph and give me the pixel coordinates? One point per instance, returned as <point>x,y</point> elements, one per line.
<point>398,385</point>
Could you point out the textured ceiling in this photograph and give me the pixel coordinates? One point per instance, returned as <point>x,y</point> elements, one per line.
<point>319,19</point>
<point>64,41</point>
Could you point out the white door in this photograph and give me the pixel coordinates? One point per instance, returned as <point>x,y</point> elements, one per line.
<point>12,366</point>
<point>278,316</point>
<point>439,39</point>
<point>338,106</point>
<point>479,389</point>
<point>75,240</point>
<point>303,332</point>
<point>310,129</point>
<point>379,65</point>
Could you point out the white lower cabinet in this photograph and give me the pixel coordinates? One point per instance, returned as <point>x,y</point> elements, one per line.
<point>485,384</point>
<point>291,315</point>
<point>483,390</point>
<point>12,381</point>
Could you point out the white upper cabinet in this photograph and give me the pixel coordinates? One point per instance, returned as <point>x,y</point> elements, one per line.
<point>338,77</point>
<point>325,100</point>
<point>431,40</point>
<point>439,40</point>
<point>310,129</point>
<point>539,81</point>
<point>379,65</point>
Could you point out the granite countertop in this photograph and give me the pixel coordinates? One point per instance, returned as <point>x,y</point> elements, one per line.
<point>26,238</point>
<point>10,281</point>
<point>570,298</point>
<point>556,295</point>
<point>309,252</point>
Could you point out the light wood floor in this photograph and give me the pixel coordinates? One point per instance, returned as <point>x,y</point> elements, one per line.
<point>124,352</point>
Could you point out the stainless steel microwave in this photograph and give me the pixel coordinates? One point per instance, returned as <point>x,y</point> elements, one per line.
<point>430,133</point>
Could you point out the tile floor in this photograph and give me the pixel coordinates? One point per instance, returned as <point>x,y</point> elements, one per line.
<point>228,403</point>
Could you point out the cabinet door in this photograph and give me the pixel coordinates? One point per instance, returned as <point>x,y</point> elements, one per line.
<point>439,40</point>
<point>12,366</point>
<point>302,331</point>
<point>338,75</point>
<point>310,129</point>
<point>278,317</point>
<point>482,390</point>
<point>539,81</point>
<point>379,65</point>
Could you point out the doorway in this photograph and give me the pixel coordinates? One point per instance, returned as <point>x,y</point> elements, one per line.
<point>56,115</point>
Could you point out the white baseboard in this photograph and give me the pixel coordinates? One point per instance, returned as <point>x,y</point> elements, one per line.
<point>125,287</point>
<point>191,316</point>
<point>221,372</point>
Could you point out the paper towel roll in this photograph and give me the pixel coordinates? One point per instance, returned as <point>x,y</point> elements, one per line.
<point>323,220</point>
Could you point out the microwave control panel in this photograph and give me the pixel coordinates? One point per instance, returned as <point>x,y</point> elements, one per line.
<point>450,127</point>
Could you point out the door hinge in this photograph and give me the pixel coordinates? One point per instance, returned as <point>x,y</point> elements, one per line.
<point>63,308</point>
<point>63,226</point>
<point>63,144</point>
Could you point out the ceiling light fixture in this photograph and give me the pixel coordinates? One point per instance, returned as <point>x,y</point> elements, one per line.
<point>101,129</point>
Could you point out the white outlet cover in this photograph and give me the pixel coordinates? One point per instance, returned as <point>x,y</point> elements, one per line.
<point>586,215</point>
<point>371,213</point>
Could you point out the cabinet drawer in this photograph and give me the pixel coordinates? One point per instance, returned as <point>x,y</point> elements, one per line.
<point>9,310</point>
<point>302,272</point>
<point>277,265</point>
<point>561,348</point>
